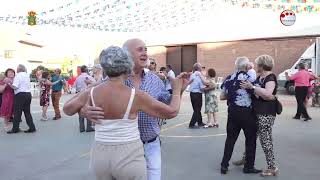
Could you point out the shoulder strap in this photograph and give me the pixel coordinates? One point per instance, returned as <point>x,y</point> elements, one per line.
<point>91,96</point>
<point>126,115</point>
<point>272,74</point>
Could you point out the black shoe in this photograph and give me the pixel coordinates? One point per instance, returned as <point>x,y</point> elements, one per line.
<point>13,132</point>
<point>90,130</point>
<point>56,118</point>
<point>30,131</point>
<point>193,127</point>
<point>201,125</point>
<point>251,171</point>
<point>11,119</point>
<point>82,130</point>
<point>224,170</point>
<point>307,119</point>
<point>295,117</point>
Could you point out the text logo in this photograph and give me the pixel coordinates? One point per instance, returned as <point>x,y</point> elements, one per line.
<point>288,18</point>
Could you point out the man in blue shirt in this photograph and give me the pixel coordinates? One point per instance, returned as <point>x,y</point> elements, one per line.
<point>56,92</point>
<point>148,125</point>
<point>196,90</point>
<point>240,116</point>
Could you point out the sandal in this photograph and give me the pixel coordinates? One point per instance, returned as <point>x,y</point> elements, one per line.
<point>208,126</point>
<point>216,125</point>
<point>270,172</point>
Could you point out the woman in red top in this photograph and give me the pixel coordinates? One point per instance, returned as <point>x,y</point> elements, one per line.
<point>71,83</point>
<point>6,109</point>
<point>302,82</point>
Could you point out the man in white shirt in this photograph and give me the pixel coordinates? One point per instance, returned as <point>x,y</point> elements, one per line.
<point>81,84</point>
<point>251,72</point>
<point>22,100</point>
<point>169,76</point>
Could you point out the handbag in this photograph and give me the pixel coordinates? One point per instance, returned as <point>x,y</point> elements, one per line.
<point>278,105</point>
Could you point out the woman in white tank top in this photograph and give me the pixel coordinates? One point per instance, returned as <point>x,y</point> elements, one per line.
<point>118,151</point>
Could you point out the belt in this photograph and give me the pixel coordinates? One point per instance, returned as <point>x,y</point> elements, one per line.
<point>239,107</point>
<point>150,141</point>
<point>55,91</point>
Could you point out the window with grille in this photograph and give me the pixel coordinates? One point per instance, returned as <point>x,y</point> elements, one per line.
<point>8,54</point>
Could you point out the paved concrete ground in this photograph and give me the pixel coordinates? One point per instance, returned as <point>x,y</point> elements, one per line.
<point>59,151</point>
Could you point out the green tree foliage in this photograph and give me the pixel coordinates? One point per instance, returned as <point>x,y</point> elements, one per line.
<point>33,76</point>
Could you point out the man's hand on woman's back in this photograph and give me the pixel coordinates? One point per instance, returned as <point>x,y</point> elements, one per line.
<point>94,114</point>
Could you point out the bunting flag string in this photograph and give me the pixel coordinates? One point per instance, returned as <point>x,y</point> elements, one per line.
<point>146,15</point>
<point>299,6</point>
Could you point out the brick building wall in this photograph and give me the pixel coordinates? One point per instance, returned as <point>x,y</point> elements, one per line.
<point>221,55</point>
<point>159,53</point>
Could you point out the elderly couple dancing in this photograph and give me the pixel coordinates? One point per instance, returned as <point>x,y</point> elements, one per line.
<point>127,105</point>
<point>126,108</point>
<point>252,108</point>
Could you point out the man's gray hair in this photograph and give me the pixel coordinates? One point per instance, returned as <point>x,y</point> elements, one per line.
<point>127,45</point>
<point>197,67</point>
<point>115,61</point>
<point>241,63</point>
<point>22,68</point>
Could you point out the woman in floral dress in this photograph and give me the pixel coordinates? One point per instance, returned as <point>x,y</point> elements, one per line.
<point>45,85</point>
<point>6,109</point>
<point>211,100</point>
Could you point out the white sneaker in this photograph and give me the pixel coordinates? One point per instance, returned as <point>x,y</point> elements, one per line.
<point>44,119</point>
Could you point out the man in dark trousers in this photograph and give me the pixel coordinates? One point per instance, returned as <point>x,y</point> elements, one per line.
<point>196,90</point>
<point>81,84</point>
<point>22,100</point>
<point>240,116</point>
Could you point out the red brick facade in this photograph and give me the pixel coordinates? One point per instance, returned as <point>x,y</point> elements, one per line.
<point>221,55</point>
<point>159,54</point>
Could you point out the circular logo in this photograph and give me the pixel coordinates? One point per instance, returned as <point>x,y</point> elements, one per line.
<point>288,18</point>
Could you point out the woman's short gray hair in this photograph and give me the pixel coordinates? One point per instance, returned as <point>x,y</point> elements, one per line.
<point>115,61</point>
<point>242,62</point>
<point>265,61</point>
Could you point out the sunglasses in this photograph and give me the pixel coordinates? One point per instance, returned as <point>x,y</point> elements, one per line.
<point>153,63</point>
